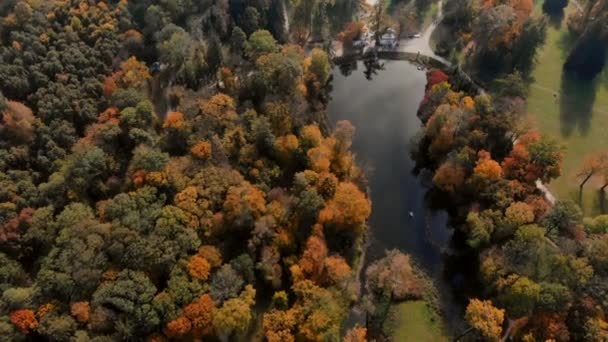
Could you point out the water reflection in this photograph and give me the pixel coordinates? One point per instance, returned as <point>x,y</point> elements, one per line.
<point>576,101</point>
<point>384,114</point>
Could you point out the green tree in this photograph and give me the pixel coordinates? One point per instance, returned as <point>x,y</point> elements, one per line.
<point>57,327</point>
<point>238,40</point>
<point>260,42</point>
<point>554,297</point>
<point>130,298</point>
<point>521,296</point>
<point>250,20</point>
<point>563,217</point>
<point>74,266</point>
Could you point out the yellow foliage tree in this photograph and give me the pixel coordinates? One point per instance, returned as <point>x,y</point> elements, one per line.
<point>485,318</point>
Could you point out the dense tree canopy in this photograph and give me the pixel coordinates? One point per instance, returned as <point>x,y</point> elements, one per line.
<point>162,167</point>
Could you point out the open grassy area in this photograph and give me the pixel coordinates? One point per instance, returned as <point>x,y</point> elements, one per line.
<point>574,112</point>
<point>413,321</point>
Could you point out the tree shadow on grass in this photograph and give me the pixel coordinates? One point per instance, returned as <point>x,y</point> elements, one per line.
<point>566,43</point>
<point>555,19</point>
<point>576,99</point>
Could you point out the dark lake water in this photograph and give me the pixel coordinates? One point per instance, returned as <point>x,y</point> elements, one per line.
<point>383,111</point>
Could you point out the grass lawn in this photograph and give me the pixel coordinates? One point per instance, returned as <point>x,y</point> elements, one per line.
<point>413,321</point>
<point>577,116</point>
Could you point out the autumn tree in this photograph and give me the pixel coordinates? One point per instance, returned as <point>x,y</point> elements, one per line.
<point>481,228</point>
<point>243,205</point>
<point>393,277</point>
<point>534,158</point>
<point>351,32</point>
<point>337,270</point>
<point>592,165</point>
<point>313,258</point>
<point>18,122</point>
<point>199,267</point>
<point>81,311</point>
<point>348,209</point>
<point>24,320</point>
<point>200,314</point>
<point>317,68</point>
<point>322,310</point>
<point>488,167</point>
<point>178,328</point>
<point>356,334</point>
<point>281,325</point>
<point>235,315</point>
<point>521,296</point>
<point>449,176</point>
<point>485,318</point>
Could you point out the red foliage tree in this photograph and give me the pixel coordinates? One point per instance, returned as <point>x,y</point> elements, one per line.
<point>25,320</point>
<point>435,76</point>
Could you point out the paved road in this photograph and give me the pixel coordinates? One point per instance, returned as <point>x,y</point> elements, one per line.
<point>423,44</point>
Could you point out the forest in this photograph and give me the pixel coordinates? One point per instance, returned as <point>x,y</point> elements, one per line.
<point>166,175</point>
<point>169,172</point>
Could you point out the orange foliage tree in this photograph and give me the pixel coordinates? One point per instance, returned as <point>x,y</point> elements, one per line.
<point>336,270</point>
<point>178,328</point>
<point>314,255</point>
<point>18,121</point>
<point>202,150</point>
<point>592,165</point>
<point>352,31</point>
<point>81,311</point>
<point>356,334</point>
<point>449,176</point>
<point>211,254</point>
<point>488,167</point>
<point>279,326</point>
<point>24,320</point>
<point>533,157</point>
<point>200,314</point>
<point>244,203</point>
<point>348,209</point>
<point>133,73</point>
<point>220,108</point>
<point>174,120</point>
<point>198,267</point>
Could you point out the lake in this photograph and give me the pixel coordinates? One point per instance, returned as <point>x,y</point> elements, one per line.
<point>383,111</point>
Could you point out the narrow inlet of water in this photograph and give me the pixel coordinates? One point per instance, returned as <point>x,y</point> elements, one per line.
<point>383,111</point>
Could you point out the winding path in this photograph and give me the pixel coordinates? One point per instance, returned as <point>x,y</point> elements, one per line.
<point>422,45</point>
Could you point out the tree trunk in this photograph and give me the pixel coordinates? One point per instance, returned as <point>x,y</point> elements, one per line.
<point>585,180</point>
<point>580,188</point>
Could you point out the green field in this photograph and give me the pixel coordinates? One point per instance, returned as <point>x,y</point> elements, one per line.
<point>574,112</point>
<point>413,321</point>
